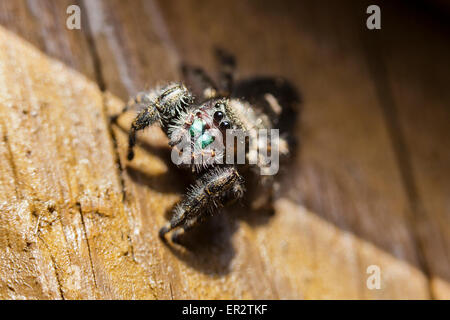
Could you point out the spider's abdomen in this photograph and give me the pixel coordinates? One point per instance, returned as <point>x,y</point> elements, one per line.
<point>245,116</point>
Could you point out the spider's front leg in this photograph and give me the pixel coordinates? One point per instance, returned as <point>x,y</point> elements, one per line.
<point>157,105</point>
<point>144,119</point>
<point>207,194</point>
<point>138,102</point>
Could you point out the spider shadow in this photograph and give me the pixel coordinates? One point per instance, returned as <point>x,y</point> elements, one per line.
<point>208,247</point>
<point>165,182</point>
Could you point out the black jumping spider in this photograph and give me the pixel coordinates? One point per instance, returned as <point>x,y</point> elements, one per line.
<point>248,105</point>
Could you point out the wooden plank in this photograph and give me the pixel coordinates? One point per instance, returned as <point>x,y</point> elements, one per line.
<point>64,229</point>
<point>412,78</point>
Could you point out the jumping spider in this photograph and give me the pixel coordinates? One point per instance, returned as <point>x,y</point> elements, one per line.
<point>248,105</point>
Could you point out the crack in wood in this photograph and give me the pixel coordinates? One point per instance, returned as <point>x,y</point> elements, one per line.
<point>87,243</point>
<point>55,268</point>
<point>10,158</point>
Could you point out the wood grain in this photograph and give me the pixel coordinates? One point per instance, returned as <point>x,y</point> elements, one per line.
<point>60,185</point>
<point>412,76</point>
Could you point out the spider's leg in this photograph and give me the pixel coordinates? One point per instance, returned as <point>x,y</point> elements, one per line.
<point>162,105</point>
<point>227,67</point>
<point>144,119</point>
<point>199,82</point>
<point>206,194</point>
<point>136,103</point>
<point>176,235</point>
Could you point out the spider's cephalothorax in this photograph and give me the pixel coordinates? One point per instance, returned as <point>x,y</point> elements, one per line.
<point>201,124</point>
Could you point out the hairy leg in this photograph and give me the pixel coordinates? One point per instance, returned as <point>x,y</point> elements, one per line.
<point>189,224</point>
<point>205,195</point>
<point>145,118</point>
<point>138,102</point>
<point>160,104</point>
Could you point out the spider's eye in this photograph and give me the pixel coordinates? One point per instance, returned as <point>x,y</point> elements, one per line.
<point>218,115</point>
<point>225,125</point>
<point>219,105</point>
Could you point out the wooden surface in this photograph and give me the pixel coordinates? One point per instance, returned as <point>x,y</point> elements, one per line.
<point>368,185</point>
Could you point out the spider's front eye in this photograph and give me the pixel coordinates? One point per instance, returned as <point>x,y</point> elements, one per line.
<point>225,125</point>
<point>218,115</point>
